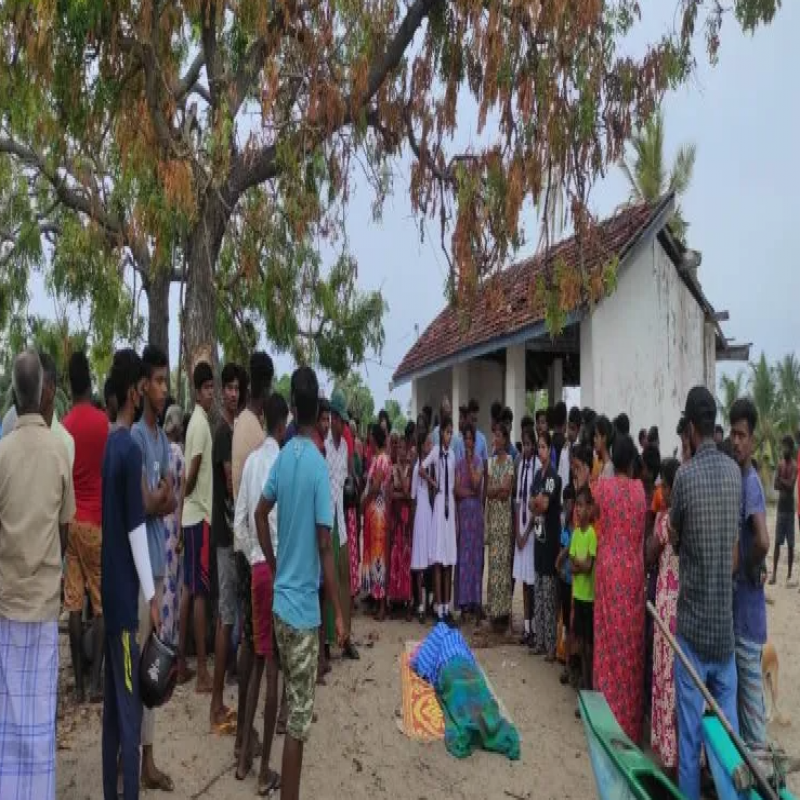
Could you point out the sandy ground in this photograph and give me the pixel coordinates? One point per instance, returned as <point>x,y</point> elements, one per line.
<point>356,750</point>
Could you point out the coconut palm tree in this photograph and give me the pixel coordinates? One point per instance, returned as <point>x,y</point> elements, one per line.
<point>763,389</point>
<point>787,373</point>
<point>730,390</point>
<point>648,176</point>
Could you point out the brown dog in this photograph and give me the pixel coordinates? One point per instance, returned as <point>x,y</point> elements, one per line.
<point>769,674</point>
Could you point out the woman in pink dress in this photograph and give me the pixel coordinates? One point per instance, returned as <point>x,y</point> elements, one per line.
<point>400,561</point>
<point>619,605</point>
<point>663,735</point>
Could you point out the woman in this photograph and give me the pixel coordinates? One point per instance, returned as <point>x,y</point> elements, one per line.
<point>498,528</point>
<point>603,438</point>
<point>400,562</point>
<point>663,737</point>
<point>469,497</point>
<point>377,497</point>
<point>173,428</point>
<point>619,591</point>
<point>353,513</point>
<point>545,504</point>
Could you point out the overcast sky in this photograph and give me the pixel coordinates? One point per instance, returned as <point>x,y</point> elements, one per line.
<point>743,115</point>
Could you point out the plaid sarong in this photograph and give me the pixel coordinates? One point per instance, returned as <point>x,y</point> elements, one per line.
<point>28,684</point>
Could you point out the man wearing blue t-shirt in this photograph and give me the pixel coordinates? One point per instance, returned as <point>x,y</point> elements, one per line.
<point>749,605</point>
<point>299,485</point>
<point>125,563</point>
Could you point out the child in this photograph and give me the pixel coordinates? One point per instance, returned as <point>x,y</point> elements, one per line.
<point>443,546</point>
<point>582,552</point>
<point>565,579</point>
<point>124,555</point>
<point>523,571</point>
<point>423,519</point>
<point>400,561</point>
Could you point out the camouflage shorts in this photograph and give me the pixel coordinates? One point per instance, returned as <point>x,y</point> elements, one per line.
<point>299,650</point>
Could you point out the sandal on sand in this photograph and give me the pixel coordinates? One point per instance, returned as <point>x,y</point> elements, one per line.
<point>273,783</point>
<point>226,727</point>
<point>162,783</point>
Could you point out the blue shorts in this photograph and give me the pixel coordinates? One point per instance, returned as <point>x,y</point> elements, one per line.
<point>784,528</point>
<point>195,559</point>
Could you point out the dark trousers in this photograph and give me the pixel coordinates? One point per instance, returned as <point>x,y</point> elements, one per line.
<point>122,715</point>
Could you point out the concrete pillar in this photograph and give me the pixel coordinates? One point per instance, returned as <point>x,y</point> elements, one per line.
<point>555,382</point>
<point>414,398</point>
<point>459,393</point>
<point>515,386</point>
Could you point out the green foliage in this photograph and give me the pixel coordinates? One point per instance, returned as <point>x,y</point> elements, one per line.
<point>283,386</point>
<point>360,403</point>
<point>535,401</point>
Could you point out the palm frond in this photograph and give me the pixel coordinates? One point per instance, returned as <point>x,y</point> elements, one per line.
<point>682,169</point>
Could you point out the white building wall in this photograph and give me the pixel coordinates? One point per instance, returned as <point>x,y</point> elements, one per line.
<point>486,379</point>
<point>644,347</point>
<point>432,388</point>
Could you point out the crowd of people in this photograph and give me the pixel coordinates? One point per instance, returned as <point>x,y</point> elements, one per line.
<point>286,520</point>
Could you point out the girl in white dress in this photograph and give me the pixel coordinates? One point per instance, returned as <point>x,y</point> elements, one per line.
<point>523,571</point>
<point>444,548</point>
<point>423,520</point>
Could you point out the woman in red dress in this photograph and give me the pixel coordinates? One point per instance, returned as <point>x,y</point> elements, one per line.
<point>400,560</point>
<point>619,605</point>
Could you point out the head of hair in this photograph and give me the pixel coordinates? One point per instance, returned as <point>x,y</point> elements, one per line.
<point>153,358</point>
<point>469,428</point>
<point>545,435</point>
<point>527,422</point>
<point>683,424</point>
<point>575,416</point>
<point>80,375</point>
<point>244,383</point>
<point>496,412</point>
<point>446,422</point>
<point>744,409</point>
<point>27,378</point>
<point>602,426</point>
<point>588,415</point>
<point>173,419</point>
<point>726,446</point>
<point>427,412</point>
<point>651,459</point>
<point>652,435</point>
<point>378,435</point>
<point>623,424</point>
<point>559,414</point>
<point>261,373</point>
<point>569,493</point>
<point>126,372</point>
<point>277,411</point>
<point>108,390</point>
<point>585,494</point>
<point>718,429</point>
<point>305,393</point>
<point>230,373</point>
<point>623,455</point>
<point>528,434</point>
<point>540,414</point>
<point>643,435</point>
<point>669,469</point>
<point>584,454</point>
<point>202,375</point>
<point>383,416</point>
<point>49,371</point>
<point>473,407</point>
<point>410,430</point>
<point>788,444</point>
<point>324,407</point>
<point>507,416</point>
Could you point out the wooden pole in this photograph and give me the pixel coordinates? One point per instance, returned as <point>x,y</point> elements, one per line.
<point>761,781</point>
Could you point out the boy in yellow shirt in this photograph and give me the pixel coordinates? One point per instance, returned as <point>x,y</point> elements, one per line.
<point>582,552</point>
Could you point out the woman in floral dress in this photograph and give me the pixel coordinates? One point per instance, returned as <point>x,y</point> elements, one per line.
<point>663,736</point>
<point>377,497</point>
<point>400,562</point>
<point>498,528</point>
<point>619,609</point>
<point>173,428</point>
<point>469,494</point>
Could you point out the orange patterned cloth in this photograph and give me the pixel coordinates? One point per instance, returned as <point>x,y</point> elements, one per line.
<point>422,718</point>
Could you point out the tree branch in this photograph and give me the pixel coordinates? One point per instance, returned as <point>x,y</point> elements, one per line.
<point>187,83</point>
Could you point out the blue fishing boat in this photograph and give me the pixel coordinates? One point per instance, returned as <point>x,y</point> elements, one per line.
<point>732,778</point>
<point>621,770</point>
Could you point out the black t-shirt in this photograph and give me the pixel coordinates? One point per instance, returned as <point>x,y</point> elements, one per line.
<point>547,526</point>
<point>222,505</point>
<point>786,498</point>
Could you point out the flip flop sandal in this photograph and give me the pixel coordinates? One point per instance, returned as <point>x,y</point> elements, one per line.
<point>225,728</point>
<point>271,786</point>
<point>162,784</point>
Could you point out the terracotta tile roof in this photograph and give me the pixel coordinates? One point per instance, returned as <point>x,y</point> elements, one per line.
<point>506,305</point>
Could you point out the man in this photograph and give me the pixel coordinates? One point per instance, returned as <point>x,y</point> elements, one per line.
<point>48,405</point>
<point>573,426</point>
<point>195,519</point>
<point>507,418</point>
<point>719,435</point>
<point>457,442</point>
<point>36,503</point>
<point>560,447</point>
<point>481,450</point>
<point>337,458</point>
<point>749,604</point>
<point>222,719</point>
<point>785,485</point>
<point>111,403</point>
<point>158,499</point>
<point>642,439</point>
<point>320,437</point>
<point>444,411</point>
<point>298,484</point>
<point>88,427</point>
<point>258,609</point>
<point>126,567</point>
<point>683,432</point>
<point>704,519</point>
<point>622,424</point>
<point>248,436</point>
<point>541,421</point>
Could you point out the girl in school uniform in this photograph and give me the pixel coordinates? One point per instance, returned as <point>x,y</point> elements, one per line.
<point>444,548</point>
<point>423,519</point>
<point>523,571</point>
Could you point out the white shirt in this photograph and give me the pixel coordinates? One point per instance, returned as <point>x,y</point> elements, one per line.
<point>336,459</point>
<point>66,437</point>
<point>255,474</point>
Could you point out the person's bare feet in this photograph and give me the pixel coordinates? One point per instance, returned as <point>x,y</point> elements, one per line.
<point>205,684</point>
<point>268,782</point>
<point>185,674</point>
<point>154,778</point>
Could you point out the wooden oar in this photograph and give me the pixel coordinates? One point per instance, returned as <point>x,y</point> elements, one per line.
<point>761,781</point>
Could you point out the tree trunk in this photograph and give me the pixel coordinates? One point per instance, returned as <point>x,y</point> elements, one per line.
<point>158,311</point>
<point>200,313</point>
